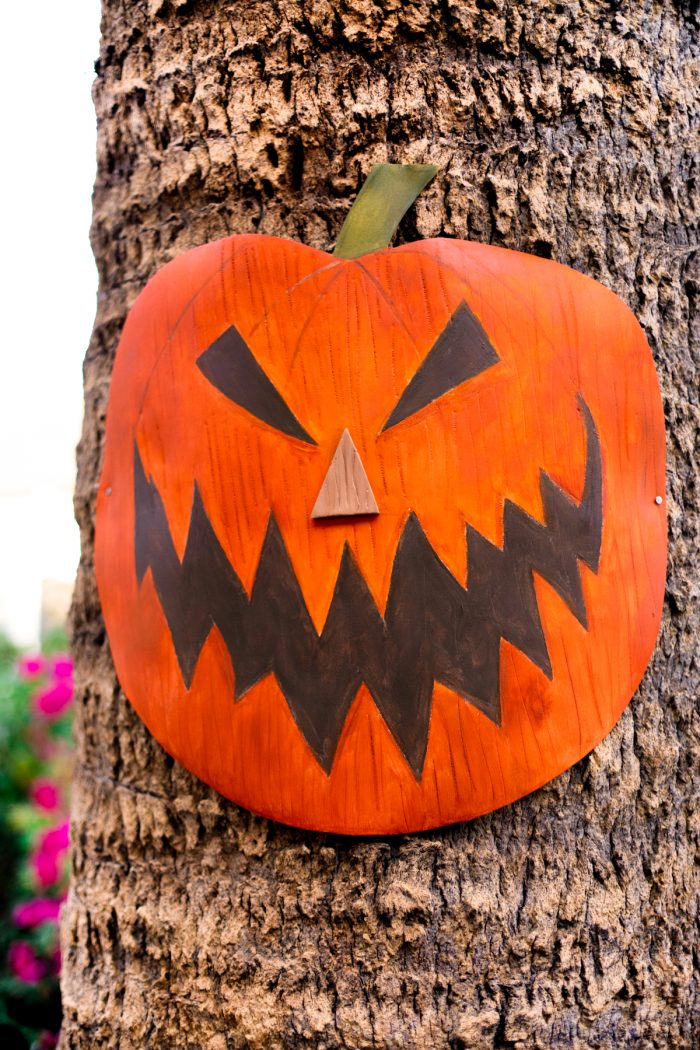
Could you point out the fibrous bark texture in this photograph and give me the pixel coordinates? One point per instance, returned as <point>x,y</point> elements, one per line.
<point>569,919</point>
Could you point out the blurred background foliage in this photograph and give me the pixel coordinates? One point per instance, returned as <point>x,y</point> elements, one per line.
<point>36,693</point>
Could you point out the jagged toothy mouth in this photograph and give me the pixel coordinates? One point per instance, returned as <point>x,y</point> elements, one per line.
<point>433,628</point>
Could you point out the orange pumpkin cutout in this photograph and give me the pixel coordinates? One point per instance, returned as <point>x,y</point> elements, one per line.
<point>379,543</point>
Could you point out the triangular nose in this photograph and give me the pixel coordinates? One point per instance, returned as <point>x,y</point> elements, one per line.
<point>346,489</point>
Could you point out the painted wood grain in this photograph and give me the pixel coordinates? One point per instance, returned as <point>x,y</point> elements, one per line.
<point>340,342</point>
<point>346,491</point>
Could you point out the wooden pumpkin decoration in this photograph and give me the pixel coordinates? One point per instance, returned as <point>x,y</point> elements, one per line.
<point>380,536</point>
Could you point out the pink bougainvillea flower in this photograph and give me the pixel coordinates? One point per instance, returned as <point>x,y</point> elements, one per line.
<point>31,665</point>
<point>47,1041</point>
<point>53,700</point>
<point>46,861</point>
<point>62,666</point>
<point>56,961</point>
<point>37,911</point>
<point>55,839</point>
<point>45,794</point>
<point>46,869</point>
<point>24,963</point>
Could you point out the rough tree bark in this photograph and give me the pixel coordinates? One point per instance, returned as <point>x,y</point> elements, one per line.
<point>571,918</point>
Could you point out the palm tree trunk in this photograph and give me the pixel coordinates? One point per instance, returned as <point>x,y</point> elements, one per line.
<point>570,918</point>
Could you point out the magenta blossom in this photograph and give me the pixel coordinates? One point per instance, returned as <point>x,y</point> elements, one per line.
<point>45,794</point>
<point>53,700</point>
<point>55,839</point>
<point>62,666</point>
<point>36,912</point>
<point>31,666</point>
<point>47,859</point>
<point>24,963</point>
<point>46,868</point>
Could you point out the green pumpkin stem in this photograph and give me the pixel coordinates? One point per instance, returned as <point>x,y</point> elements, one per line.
<point>387,194</point>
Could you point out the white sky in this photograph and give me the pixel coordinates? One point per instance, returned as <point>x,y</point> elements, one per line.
<point>48,291</point>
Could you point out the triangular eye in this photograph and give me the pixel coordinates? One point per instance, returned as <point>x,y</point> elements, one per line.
<point>462,351</point>
<point>231,367</point>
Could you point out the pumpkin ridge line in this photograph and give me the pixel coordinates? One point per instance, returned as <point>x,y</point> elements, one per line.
<point>180,318</point>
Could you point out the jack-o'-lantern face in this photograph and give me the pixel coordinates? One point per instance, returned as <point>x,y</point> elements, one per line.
<point>378,543</point>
